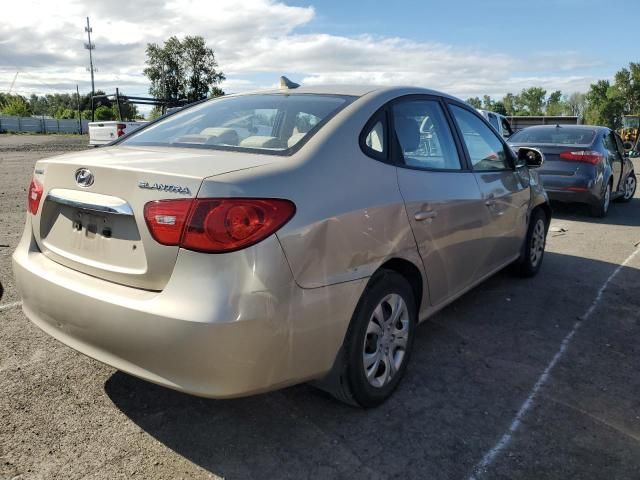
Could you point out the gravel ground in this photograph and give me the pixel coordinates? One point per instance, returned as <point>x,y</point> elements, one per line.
<point>65,416</point>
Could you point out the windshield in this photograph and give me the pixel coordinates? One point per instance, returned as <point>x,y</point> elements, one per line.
<point>631,122</point>
<point>555,135</point>
<point>268,123</point>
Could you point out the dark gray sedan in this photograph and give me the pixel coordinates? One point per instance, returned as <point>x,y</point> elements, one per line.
<point>583,163</point>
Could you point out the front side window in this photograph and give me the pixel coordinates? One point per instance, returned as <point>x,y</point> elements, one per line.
<point>486,151</point>
<point>506,127</point>
<point>424,135</point>
<point>270,123</point>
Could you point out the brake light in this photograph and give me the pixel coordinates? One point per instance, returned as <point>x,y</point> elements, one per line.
<point>216,225</point>
<point>34,196</point>
<point>120,127</point>
<point>587,156</point>
<point>166,219</point>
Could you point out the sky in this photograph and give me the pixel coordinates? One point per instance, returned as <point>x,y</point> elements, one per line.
<point>465,47</point>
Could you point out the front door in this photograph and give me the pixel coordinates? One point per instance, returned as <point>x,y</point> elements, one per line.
<point>505,190</point>
<point>442,199</point>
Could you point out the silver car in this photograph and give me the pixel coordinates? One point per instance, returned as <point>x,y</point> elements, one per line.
<point>305,247</point>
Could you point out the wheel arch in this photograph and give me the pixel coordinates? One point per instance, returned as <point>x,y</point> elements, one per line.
<point>410,272</point>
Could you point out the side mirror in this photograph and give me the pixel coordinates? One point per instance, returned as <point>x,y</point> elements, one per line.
<point>529,157</point>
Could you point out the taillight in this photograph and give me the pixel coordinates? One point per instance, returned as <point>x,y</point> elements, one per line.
<point>216,225</point>
<point>120,127</point>
<point>35,195</point>
<point>166,219</point>
<point>587,156</point>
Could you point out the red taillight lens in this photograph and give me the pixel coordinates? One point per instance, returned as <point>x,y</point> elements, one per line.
<point>120,127</point>
<point>166,219</point>
<point>587,156</point>
<point>35,195</point>
<point>216,225</point>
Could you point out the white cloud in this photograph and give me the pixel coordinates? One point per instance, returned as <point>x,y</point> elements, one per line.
<point>253,39</point>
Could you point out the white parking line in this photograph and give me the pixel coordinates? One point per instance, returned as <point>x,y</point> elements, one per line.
<point>9,305</point>
<point>492,454</point>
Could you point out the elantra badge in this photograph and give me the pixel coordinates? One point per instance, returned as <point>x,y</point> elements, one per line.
<point>165,187</point>
<point>84,177</point>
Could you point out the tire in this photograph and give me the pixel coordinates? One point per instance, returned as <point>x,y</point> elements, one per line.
<point>630,184</point>
<point>602,208</point>
<point>375,353</point>
<point>534,244</point>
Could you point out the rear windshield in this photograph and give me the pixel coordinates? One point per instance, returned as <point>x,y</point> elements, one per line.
<point>266,123</point>
<point>555,135</point>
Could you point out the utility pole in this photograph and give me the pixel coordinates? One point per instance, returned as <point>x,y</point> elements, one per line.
<point>78,105</point>
<point>90,46</point>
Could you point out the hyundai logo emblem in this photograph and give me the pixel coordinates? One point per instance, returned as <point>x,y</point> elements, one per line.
<point>84,177</point>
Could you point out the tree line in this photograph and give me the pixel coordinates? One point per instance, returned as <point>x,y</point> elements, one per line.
<point>64,106</point>
<point>603,104</point>
<point>179,70</point>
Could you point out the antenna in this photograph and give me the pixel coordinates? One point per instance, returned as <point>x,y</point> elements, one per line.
<point>285,83</point>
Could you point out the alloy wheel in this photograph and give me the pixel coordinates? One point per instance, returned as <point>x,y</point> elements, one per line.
<point>629,187</point>
<point>385,343</point>
<point>537,242</point>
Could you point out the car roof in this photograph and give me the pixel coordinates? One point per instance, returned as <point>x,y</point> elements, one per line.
<point>351,90</point>
<point>581,127</point>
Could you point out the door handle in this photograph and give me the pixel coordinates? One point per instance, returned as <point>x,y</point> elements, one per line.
<point>490,201</point>
<point>425,215</point>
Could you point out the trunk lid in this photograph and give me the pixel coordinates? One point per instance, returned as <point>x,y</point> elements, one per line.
<point>553,164</point>
<point>99,229</point>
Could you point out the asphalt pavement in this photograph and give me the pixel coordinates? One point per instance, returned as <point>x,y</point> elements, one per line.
<point>518,379</point>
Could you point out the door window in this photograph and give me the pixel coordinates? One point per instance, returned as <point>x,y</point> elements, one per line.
<point>486,150</point>
<point>493,120</point>
<point>424,136</point>
<point>612,147</point>
<point>375,137</point>
<point>506,127</point>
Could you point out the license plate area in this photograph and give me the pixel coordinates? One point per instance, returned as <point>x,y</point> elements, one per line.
<point>94,239</point>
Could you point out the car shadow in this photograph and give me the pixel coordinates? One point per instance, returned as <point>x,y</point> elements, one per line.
<point>473,365</point>
<point>624,214</point>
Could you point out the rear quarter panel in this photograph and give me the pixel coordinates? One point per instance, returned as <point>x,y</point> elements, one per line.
<point>350,215</point>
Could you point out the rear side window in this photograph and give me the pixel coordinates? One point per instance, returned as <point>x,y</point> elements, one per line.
<point>486,151</point>
<point>493,120</point>
<point>267,123</point>
<point>374,139</point>
<point>555,135</point>
<point>424,135</point>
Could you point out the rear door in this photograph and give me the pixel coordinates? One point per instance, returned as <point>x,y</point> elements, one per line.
<point>441,195</point>
<point>505,191</point>
<point>615,158</point>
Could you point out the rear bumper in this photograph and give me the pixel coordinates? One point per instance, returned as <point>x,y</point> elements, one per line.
<point>572,189</point>
<point>237,332</point>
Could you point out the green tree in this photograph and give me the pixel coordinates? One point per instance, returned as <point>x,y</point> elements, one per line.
<point>498,107</point>
<point>475,102</point>
<point>555,104</point>
<point>512,104</point>
<point>184,69</point>
<point>16,105</point>
<point>532,99</point>
<point>627,85</point>
<point>604,105</point>
<point>103,113</point>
